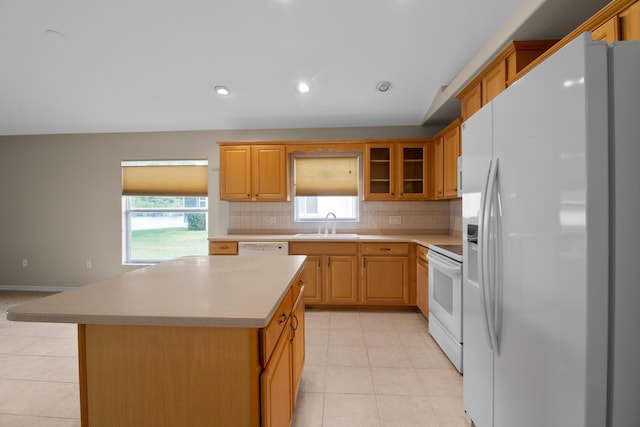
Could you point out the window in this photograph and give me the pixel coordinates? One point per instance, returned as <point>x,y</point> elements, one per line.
<point>164,210</point>
<point>326,184</point>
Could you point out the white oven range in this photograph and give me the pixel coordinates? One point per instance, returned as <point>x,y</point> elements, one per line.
<point>445,300</point>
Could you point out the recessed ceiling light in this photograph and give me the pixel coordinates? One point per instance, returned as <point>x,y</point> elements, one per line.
<point>222,90</point>
<point>383,86</point>
<point>302,87</point>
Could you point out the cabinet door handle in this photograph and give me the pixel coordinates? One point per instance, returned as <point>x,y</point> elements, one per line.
<point>318,262</point>
<point>248,195</point>
<point>301,282</point>
<point>283,318</point>
<point>328,261</point>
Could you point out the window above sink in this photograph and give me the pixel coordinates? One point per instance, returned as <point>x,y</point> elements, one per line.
<point>324,184</point>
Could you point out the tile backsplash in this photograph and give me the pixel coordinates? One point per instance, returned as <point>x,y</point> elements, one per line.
<point>429,217</point>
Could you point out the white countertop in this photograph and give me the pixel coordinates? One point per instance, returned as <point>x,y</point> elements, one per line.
<point>212,291</point>
<point>426,239</point>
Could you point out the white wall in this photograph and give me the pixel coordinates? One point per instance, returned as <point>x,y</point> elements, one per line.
<point>60,195</point>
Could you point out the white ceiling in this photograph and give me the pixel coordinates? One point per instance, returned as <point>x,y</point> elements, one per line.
<point>71,66</point>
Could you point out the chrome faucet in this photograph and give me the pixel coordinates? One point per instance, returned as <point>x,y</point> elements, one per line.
<point>326,221</point>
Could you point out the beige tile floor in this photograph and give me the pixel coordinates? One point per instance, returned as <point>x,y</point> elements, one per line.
<point>361,369</point>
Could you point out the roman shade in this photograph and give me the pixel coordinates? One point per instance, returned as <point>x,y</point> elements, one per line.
<point>326,176</point>
<point>179,180</point>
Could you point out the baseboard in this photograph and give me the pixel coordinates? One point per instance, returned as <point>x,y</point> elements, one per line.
<point>35,288</point>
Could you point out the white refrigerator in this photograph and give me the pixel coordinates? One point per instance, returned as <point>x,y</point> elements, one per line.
<point>551,285</point>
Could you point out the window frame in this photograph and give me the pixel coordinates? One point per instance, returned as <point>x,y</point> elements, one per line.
<point>128,211</point>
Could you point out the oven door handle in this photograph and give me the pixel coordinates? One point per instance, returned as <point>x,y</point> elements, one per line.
<point>443,263</point>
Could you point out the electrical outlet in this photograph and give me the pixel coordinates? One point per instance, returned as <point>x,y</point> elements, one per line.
<point>25,262</point>
<point>272,220</point>
<point>89,264</point>
<point>395,219</point>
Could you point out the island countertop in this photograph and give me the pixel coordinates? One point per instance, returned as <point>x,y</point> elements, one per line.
<point>208,291</point>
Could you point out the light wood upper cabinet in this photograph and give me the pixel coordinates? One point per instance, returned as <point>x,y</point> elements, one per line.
<point>630,22</point>
<point>451,150</point>
<point>395,171</point>
<point>494,82</point>
<point>437,182</point>
<point>446,149</point>
<point>412,171</point>
<point>379,172</point>
<point>608,31</point>
<point>253,173</point>
<point>470,99</point>
<point>499,73</point>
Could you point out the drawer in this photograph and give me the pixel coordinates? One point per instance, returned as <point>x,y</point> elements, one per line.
<point>223,248</point>
<point>385,249</point>
<point>421,252</point>
<point>309,248</point>
<point>269,335</point>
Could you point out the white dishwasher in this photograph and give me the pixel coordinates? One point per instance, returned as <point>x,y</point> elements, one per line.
<point>263,248</point>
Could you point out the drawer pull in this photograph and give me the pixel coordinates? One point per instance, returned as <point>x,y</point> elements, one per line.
<point>283,318</point>
<point>385,249</point>
<point>224,247</point>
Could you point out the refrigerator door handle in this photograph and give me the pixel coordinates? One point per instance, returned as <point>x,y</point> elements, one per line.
<point>483,229</point>
<point>492,246</point>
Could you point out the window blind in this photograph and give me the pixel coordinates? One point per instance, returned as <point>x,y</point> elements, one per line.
<point>180,180</point>
<point>326,176</point>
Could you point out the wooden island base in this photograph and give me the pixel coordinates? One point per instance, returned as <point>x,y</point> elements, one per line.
<point>168,376</point>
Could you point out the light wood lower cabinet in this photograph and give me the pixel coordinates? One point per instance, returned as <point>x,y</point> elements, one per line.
<point>332,271</point>
<point>385,273</point>
<point>277,385</point>
<point>312,278</point>
<point>422,280</point>
<point>341,279</point>
<point>297,345</point>
<point>223,248</point>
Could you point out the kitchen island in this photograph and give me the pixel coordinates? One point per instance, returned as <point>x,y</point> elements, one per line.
<point>197,341</point>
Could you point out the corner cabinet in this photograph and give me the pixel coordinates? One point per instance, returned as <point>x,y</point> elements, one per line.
<point>395,170</point>
<point>445,151</point>
<point>253,173</point>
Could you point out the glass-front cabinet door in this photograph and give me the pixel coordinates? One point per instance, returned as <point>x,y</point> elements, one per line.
<point>379,180</point>
<point>412,171</point>
<point>396,171</point>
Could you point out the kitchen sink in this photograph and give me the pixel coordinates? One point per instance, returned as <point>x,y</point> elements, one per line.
<point>328,236</point>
